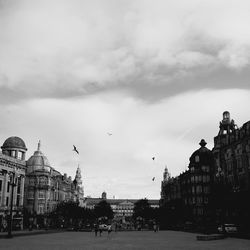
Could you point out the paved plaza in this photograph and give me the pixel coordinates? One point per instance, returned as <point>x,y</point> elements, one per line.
<point>120,240</point>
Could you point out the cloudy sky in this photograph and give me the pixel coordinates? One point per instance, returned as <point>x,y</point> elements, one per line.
<point>156,74</point>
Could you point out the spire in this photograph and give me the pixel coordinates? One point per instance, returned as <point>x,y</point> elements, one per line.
<point>78,176</point>
<point>39,146</point>
<point>166,174</point>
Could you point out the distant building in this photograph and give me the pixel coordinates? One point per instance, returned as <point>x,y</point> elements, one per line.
<point>122,208</point>
<point>12,160</point>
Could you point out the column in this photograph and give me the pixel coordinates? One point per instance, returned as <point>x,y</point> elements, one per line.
<point>4,188</point>
<point>22,191</point>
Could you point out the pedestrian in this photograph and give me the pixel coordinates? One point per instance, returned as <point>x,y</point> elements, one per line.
<point>155,228</point>
<point>96,229</point>
<point>100,230</point>
<point>109,230</point>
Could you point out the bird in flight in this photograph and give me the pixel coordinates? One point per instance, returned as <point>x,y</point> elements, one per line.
<point>153,178</point>
<point>153,158</point>
<point>74,149</point>
<point>109,134</point>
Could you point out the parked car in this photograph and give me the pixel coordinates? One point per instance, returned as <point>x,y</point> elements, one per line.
<point>228,228</point>
<point>104,227</point>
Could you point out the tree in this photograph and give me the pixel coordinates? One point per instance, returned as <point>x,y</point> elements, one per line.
<point>141,209</point>
<point>103,209</point>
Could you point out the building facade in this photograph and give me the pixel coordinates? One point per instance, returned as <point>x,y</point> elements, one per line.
<point>188,196</point>
<point>32,186</point>
<point>232,155</point>
<point>122,208</point>
<point>12,176</point>
<point>216,187</point>
<point>45,187</point>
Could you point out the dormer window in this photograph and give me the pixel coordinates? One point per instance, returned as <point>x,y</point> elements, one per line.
<point>197,158</point>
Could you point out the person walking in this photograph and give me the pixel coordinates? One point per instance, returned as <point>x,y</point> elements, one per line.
<point>109,230</point>
<point>96,229</point>
<point>100,230</point>
<point>155,228</point>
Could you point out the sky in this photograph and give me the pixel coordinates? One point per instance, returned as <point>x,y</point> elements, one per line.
<point>156,74</point>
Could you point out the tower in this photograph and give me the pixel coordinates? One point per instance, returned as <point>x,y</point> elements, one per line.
<point>166,174</point>
<point>227,125</point>
<point>78,187</point>
<point>78,176</point>
<point>104,195</point>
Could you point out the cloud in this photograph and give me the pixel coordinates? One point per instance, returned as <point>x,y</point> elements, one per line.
<point>76,48</point>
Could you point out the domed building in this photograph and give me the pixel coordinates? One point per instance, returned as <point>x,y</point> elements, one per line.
<point>45,187</point>
<point>12,171</point>
<point>202,170</point>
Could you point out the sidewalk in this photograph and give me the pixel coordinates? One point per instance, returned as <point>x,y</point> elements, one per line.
<point>27,232</point>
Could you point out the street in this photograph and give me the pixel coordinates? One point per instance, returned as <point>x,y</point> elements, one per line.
<point>120,240</point>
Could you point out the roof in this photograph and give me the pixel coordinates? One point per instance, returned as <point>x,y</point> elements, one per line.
<point>14,142</point>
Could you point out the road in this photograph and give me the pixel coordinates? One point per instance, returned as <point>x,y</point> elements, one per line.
<point>120,240</point>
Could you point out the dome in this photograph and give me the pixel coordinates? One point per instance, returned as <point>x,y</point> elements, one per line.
<point>205,156</point>
<point>38,162</point>
<point>14,142</point>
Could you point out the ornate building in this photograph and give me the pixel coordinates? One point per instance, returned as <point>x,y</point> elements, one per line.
<point>232,155</point>
<point>202,171</point>
<point>187,196</point>
<point>45,187</point>
<point>216,187</point>
<point>12,174</point>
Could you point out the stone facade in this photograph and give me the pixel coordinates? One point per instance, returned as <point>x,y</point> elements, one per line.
<point>12,175</point>
<point>37,186</point>
<point>45,187</point>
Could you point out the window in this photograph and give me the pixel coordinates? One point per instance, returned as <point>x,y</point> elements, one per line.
<point>197,158</point>
<point>8,187</point>
<point>199,200</point>
<point>31,195</point>
<point>198,189</point>
<point>19,185</point>
<point>205,168</point>
<point>206,190</point>
<point>18,201</point>
<point>1,185</point>
<point>19,155</point>
<point>7,201</point>
<point>41,195</point>
<point>41,209</point>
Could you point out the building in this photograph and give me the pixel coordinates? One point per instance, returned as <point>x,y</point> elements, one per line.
<point>187,196</point>
<point>45,187</point>
<point>232,155</point>
<point>216,187</point>
<point>122,208</point>
<point>201,174</point>
<point>12,176</point>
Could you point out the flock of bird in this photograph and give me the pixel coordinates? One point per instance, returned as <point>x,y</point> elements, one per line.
<point>109,134</point>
